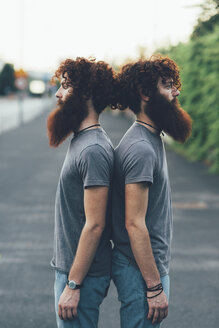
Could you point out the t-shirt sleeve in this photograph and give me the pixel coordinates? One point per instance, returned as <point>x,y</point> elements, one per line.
<point>95,166</point>
<point>139,163</point>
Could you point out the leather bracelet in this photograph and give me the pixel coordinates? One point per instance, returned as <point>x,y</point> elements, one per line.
<point>155,295</point>
<point>155,288</point>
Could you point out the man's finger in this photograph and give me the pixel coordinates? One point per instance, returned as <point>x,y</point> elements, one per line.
<point>75,313</point>
<point>150,313</point>
<point>161,315</point>
<point>166,312</point>
<point>70,315</point>
<point>60,312</point>
<point>64,312</point>
<point>155,316</point>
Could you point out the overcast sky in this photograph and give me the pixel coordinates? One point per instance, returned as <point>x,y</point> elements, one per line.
<point>37,34</point>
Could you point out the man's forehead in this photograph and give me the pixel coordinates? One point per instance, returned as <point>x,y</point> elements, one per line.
<point>164,80</point>
<point>64,78</point>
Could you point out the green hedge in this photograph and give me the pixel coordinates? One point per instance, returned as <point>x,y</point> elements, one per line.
<point>199,63</point>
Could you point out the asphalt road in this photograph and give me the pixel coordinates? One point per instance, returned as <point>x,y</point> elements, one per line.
<point>29,171</point>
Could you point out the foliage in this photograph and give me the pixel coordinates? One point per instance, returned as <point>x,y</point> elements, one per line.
<point>208,19</point>
<point>7,79</point>
<point>198,60</point>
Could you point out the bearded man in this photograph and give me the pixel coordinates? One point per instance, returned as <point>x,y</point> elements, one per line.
<point>82,248</point>
<point>142,214</point>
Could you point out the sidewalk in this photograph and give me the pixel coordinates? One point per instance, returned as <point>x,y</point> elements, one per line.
<point>16,111</point>
<point>29,172</point>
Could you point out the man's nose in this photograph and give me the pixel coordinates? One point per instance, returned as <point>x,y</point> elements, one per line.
<point>58,94</point>
<point>175,92</point>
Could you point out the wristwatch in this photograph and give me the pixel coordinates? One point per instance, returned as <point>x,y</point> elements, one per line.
<point>72,284</point>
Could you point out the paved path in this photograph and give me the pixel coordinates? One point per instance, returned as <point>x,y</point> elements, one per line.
<point>16,111</point>
<point>29,172</point>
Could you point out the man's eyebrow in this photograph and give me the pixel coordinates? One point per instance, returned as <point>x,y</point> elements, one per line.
<point>167,81</point>
<point>64,80</point>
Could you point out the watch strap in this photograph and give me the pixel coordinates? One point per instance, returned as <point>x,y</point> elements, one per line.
<point>77,286</point>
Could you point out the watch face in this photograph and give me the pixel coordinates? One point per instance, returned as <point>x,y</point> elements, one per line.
<point>72,284</point>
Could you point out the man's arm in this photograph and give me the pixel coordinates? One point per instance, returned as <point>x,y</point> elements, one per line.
<point>136,202</point>
<point>95,202</point>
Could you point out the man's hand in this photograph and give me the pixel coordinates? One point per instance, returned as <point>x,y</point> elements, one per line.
<point>68,303</point>
<point>158,307</point>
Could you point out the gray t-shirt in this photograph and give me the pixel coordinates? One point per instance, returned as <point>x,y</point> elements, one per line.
<point>89,162</point>
<point>140,157</point>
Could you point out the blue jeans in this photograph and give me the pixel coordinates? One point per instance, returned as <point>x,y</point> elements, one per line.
<point>132,293</point>
<point>91,296</point>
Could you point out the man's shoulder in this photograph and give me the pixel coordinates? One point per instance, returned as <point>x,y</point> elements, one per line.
<point>137,146</point>
<point>95,141</point>
<point>100,144</point>
<point>104,141</point>
<point>97,161</point>
<point>133,135</point>
<point>96,148</point>
<point>97,151</point>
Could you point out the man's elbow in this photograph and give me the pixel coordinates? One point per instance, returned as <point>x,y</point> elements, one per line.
<point>96,228</point>
<point>132,226</point>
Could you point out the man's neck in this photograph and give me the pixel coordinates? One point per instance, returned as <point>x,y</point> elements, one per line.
<point>88,122</point>
<point>91,119</point>
<point>144,118</point>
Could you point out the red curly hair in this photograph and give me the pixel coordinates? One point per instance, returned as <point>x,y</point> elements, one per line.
<point>143,76</point>
<point>90,79</point>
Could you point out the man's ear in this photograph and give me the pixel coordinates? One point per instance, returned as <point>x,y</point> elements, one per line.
<point>143,96</point>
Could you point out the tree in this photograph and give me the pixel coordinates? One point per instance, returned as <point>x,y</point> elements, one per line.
<point>7,79</point>
<point>208,19</point>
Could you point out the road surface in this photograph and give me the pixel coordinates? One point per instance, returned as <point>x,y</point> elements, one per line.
<point>29,172</point>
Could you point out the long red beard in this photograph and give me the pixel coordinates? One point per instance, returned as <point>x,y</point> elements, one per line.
<point>65,119</point>
<point>170,117</point>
